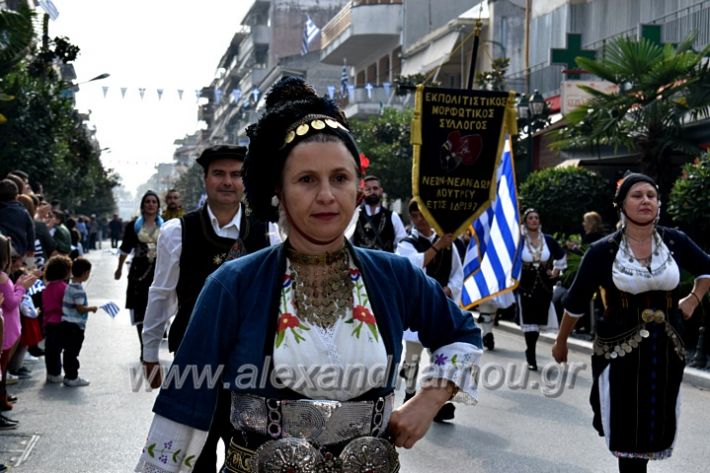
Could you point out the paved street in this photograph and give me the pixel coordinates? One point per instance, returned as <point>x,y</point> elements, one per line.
<point>101,428</point>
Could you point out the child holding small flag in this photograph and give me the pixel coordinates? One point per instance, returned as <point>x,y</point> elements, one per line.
<point>75,312</point>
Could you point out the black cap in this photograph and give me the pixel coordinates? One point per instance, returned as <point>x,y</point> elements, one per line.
<point>214,153</point>
<point>630,179</point>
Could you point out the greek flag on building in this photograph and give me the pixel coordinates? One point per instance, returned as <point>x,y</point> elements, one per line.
<point>493,264</point>
<point>344,80</point>
<point>310,31</point>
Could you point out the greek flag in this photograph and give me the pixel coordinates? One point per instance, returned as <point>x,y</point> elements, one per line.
<point>38,286</point>
<point>493,264</point>
<point>111,308</point>
<point>344,81</point>
<point>310,31</point>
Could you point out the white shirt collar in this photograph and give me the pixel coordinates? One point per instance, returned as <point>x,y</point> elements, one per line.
<point>371,213</point>
<point>234,223</point>
<point>416,234</point>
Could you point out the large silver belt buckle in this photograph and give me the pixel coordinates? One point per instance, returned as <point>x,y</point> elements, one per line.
<point>296,455</point>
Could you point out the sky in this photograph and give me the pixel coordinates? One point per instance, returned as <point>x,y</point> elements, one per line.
<point>151,44</point>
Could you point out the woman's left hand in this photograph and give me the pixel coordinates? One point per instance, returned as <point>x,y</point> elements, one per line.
<point>554,273</point>
<point>687,306</point>
<point>411,421</point>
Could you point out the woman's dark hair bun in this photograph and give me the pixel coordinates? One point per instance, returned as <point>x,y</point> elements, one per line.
<point>288,89</point>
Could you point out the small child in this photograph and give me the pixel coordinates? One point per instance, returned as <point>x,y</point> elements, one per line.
<point>56,274</point>
<point>75,313</point>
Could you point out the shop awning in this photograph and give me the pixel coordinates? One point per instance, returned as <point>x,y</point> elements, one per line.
<point>432,56</point>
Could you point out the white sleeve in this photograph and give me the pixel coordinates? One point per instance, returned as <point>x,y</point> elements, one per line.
<point>406,249</point>
<point>171,447</point>
<point>399,232</point>
<point>459,363</point>
<point>162,295</point>
<point>456,275</point>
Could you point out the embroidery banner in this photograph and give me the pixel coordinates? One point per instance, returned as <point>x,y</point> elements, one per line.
<point>457,138</point>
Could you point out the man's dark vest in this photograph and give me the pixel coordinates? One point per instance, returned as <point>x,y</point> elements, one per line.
<point>203,251</point>
<point>439,267</point>
<point>375,231</point>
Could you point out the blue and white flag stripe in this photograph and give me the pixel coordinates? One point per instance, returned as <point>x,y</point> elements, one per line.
<point>310,31</point>
<point>38,286</point>
<point>111,308</point>
<point>492,264</point>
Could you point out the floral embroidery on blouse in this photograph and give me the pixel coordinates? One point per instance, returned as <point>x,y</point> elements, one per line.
<point>287,320</point>
<point>165,454</point>
<point>289,323</point>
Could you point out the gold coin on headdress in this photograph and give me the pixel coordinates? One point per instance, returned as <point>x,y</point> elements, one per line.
<point>302,129</point>
<point>290,136</point>
<point>332,123</point>
<point>318,124</point>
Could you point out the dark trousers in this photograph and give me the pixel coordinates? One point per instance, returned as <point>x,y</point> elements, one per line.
<point>53,348</point>
<point>72,340</point>
<point>221,428</point>
<point>114,242</point>
<point>632,465</point>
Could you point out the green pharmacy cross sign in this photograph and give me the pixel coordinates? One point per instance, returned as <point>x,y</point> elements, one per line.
<point>569,54</point>
<point>652,33</point>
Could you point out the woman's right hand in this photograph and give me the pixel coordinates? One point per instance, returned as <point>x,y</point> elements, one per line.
<point>117,274</point>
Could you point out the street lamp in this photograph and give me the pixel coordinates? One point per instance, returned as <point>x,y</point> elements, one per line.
<point>74,86</point>
<point>531,109</point>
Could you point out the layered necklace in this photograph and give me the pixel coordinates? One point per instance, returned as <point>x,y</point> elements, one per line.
<point>628,255</point>
<point>535,249</point>
<point>322,286</point>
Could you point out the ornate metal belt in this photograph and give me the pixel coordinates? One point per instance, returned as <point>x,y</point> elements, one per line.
<point>292,455</point>
<point>611,348</point>
<point>320,422</point>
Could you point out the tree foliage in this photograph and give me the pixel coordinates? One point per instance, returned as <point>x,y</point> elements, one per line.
<point>384,139</point>
<point>689,205</point>
<point>191,186</point>
<point>659,88</point>
<point>45,136</point>
<point>563,195</point>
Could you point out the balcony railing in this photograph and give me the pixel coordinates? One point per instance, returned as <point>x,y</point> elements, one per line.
<point>337,25</point>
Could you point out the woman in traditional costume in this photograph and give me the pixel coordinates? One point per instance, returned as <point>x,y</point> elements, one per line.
<point>308,334</point>
<point>638,355</point>
<point>543,260</point>
<point>140,236</point>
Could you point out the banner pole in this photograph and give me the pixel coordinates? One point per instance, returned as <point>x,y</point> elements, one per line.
<point>474,53</point>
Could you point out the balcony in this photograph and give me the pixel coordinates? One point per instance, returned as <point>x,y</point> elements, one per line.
<point>361,104</point>
<point>261,34</point>
<point>361,28</point>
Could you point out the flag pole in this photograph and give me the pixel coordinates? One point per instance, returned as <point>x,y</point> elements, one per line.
<point>474,53</point>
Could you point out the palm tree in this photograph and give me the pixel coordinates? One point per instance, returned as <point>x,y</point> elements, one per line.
<point>660,90</point>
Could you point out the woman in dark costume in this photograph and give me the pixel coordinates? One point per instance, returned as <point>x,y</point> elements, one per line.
<point>638,355</point>
<point>140,236</point>
<point>543,260</point>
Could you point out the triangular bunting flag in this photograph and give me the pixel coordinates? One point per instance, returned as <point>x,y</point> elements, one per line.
<point>105,89</point>
<point>123,92</point>
<point>141,92</point>
<point>160,94</point>
<point>180,91</point>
